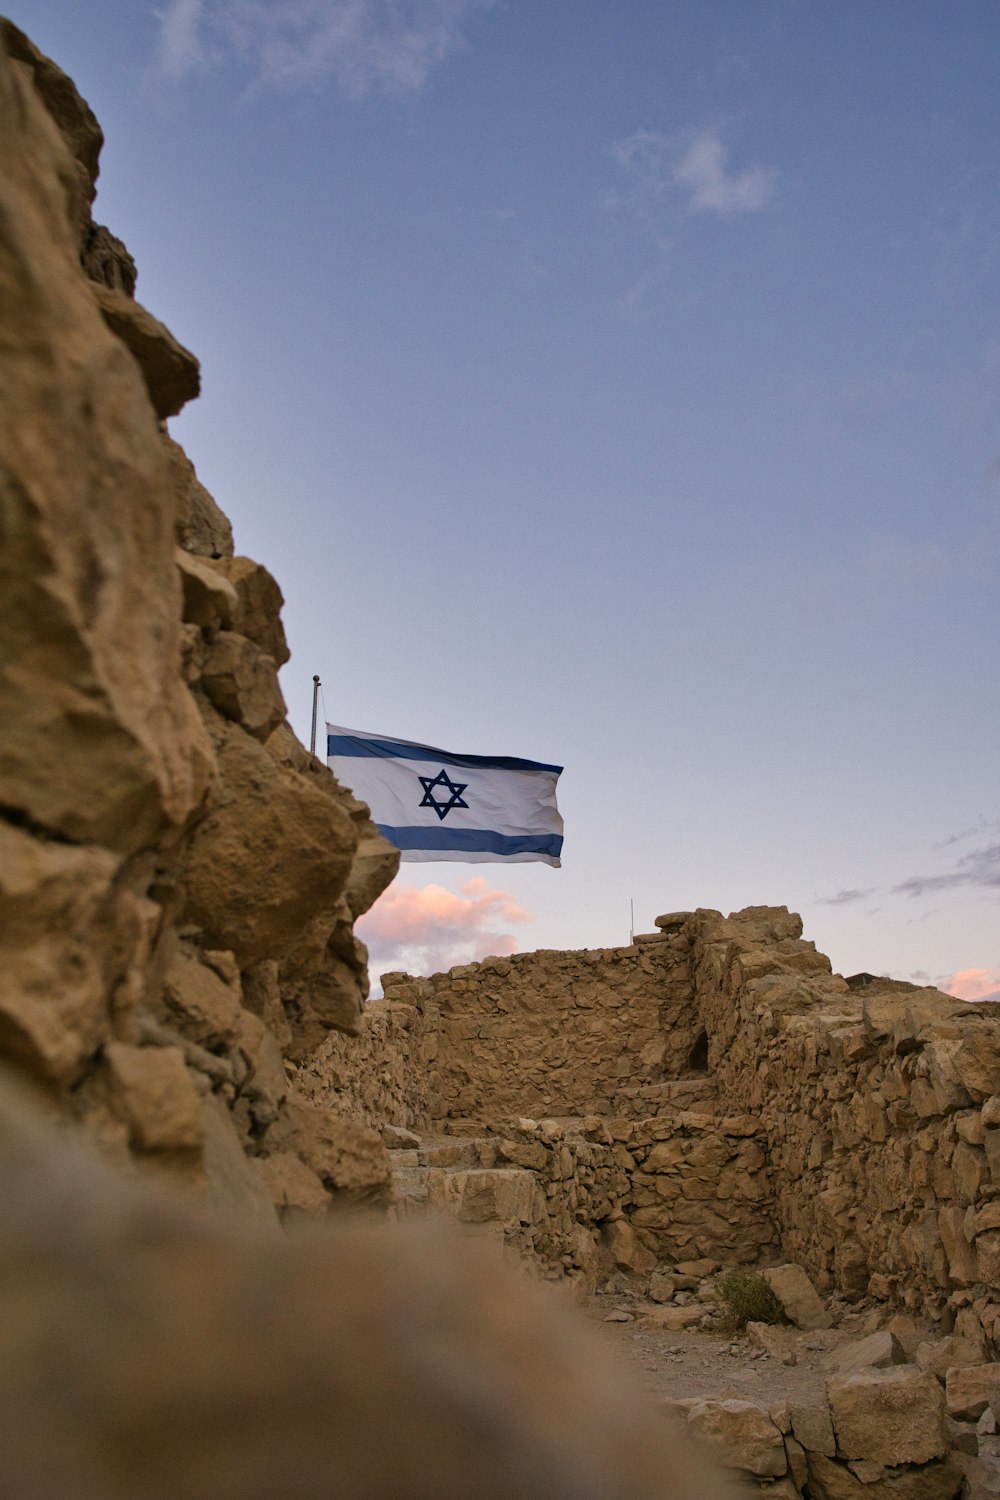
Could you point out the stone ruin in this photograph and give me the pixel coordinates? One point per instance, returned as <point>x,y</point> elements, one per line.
<point>188,1060</point>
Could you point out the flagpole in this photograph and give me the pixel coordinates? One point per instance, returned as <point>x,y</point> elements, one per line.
<point>312,737</point>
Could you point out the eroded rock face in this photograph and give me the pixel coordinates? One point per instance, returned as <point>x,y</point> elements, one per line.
<point>178,878</point>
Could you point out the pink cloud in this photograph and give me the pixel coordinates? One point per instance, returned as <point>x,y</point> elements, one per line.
<point>973,984</point>
<point>425,929</point>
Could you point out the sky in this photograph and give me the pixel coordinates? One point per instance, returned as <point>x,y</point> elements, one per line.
<point>614,383</point>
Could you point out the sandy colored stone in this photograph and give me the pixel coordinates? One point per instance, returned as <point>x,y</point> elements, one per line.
<point>830,1480</point>
<point>348,1158</point>
<point>266,859</point>
<point>201,1003</point>
<point>969,1388</point>
<point>889,1416</point>
<point>259,603</point>
<point>70,938</point>
<point>201,527</point>
<point>242,683</point>
<point>209,599</point>
<point>812,1426</point>
<point>674,1318</point>
<point>151,1090</point>
<point>296,1190</point>
<point>99,739</point>
<point>938,1356</point>
<point>876,1352</point>
<point>170,372</point>
<point>626,1249</point>
<point>800,1301</point>
<point>740,1434</point>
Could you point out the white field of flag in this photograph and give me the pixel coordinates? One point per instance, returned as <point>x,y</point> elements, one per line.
<point>434,805</point>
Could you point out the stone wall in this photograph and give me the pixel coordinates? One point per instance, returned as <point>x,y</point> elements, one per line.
<point>178,877</point>
<point>880,1109</point>
<point>768,1104</point>
<point>592,1032</point>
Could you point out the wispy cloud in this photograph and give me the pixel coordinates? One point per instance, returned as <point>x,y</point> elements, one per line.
<point>973,984</point>
<point>846,898</point>
<point>670,174</point>
<point>363,45</point>
<point>979,869</point>
<point>426,929</point>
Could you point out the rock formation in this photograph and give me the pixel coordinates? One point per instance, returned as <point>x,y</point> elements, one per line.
<point>178,878</point>
<point>178,885</point>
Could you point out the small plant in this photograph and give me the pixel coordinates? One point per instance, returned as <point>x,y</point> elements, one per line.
<point>746,1297</point>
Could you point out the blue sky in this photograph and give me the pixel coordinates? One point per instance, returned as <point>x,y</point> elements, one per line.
<point>615,384</point>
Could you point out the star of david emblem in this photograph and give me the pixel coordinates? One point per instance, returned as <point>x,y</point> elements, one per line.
<point>443,780</point>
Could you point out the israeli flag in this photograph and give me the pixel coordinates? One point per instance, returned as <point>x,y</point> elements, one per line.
<point>435,805</point>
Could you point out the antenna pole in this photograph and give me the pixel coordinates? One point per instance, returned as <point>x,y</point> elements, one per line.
<point>631,930</point>
<point>312,737</point>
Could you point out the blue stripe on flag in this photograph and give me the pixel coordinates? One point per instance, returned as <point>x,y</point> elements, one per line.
<point>472,840</point>
<point>342,744</point>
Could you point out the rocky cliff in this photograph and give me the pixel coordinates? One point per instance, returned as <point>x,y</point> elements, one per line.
<point>178,877</point>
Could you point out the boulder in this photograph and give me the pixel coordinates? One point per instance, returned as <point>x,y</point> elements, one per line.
<point>969,1389</point>
<point>626,1249</point>
<point>889,1416</point>
<point>800,1302</point>
<point>741,1436</point>
<point>875,1352</point>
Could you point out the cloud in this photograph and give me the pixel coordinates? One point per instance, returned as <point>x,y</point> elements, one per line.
<point>979,869</point>
<point>426,929</point>
<point>845,898</point>
<point>363,45</point>
<point>973,984</point>
<point>665,174</point>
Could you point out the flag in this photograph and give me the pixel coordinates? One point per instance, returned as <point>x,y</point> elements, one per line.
<point>435,805</point>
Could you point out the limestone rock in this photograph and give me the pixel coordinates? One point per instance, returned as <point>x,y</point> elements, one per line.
<point>662,1286</point>
<point>74,118</point>
<point>970,1388</point>
<point>242,682</point>
<point>395,1138</point>
<point>209,598</point>
<point>349,1159</point>
<point>875,1352</point>
<point>206,1008</point>
<point>69,934</point>
<point>201,527</point>
<point>741,1435</point>
<point>829,1480</point>
<point>170,371</point>
<point>799,1299</point>
<point>938,1356</point>
<point>297,1191</point>
<point>240,893</point>
<point>258,612</point>
<point>889,1416</point>
<point>99,739</point>
<point>151,1090</point>
<point>627,1250</point>
<point>812,1426</point>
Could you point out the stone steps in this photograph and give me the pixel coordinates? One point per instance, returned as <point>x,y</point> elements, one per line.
<point>448,1177</point>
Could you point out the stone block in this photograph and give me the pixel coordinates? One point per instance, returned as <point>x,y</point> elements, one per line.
<point>968,1390</point>
<point>150,1089</point>
<point>800,1301</point>
<point>812,1426</point>
<point>876,1352</point>
<point>889,1416</point>
<point>740,1434</point>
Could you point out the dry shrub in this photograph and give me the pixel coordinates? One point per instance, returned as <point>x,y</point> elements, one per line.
<point>746,1297</point>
